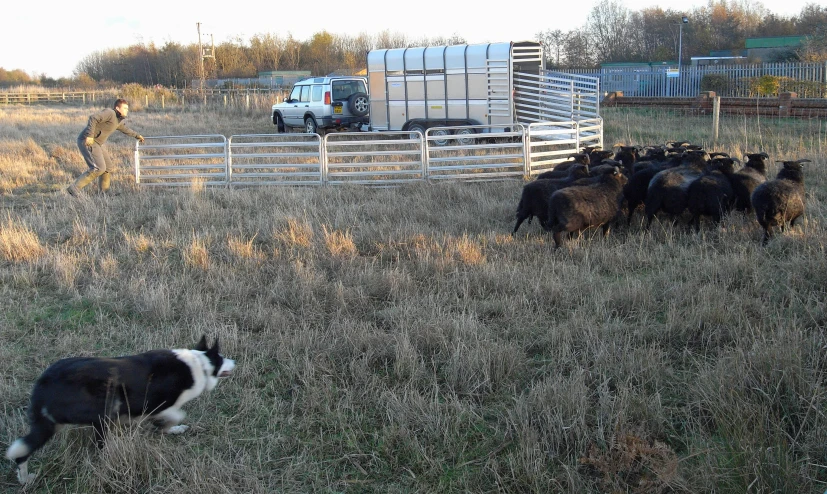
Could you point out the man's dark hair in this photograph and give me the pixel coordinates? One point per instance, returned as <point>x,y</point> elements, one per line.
<point>119,102</point>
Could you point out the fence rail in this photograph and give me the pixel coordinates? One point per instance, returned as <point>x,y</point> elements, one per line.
<point>809,80</point>
<point>365,158</point>
<point>256,98</point>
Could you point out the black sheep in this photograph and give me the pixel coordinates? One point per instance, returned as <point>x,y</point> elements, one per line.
<point>712,193</point>
<point>561,170</point>
<point>745,180</point>
<point>668,189</point>
<point>637,187</point>
<point>628,156</point>
<point>535,195</point>
<point>780,201</point>
<point>576,208</point>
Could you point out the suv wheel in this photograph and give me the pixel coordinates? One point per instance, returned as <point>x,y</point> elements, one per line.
<point>310,126</point>
<point>279,123</point>
<point>358,104</point>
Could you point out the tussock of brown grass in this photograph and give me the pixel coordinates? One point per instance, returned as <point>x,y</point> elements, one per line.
<point>196,254</point>
<point>296,234</point>
<point>245,249</point>
<point>339,244</point>
<point>18,242</point>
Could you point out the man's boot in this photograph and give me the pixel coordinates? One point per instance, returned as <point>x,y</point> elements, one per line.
<point>103,182</point>
<point>83,180</point>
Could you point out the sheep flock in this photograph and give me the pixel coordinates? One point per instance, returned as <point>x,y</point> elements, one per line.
<point>597,188</point>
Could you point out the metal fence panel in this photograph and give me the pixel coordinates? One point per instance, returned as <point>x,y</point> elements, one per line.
<point>182,161</point>
<point>550,143</point>
<point>555,96</point>
<point>475,153</point>
<point>809,80</point>
<point>373,158</point>
<point>275,159</point>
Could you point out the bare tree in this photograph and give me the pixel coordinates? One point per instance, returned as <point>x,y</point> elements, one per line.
<point>609,27</point>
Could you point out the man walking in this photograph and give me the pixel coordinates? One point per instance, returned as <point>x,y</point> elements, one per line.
<point>91,141</point>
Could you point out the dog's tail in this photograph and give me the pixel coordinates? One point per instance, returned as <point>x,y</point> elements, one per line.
<point>42,429</point>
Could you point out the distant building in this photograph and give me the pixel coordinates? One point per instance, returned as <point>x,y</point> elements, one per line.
<point>635,66</point>
<point>274,78</point>
<point>718,60</point>
<point>771,48</point>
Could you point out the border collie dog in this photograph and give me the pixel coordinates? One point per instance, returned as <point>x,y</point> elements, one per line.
<point>93,391</point>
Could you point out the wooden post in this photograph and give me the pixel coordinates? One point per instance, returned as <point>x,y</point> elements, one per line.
<point>225,101</point>
<point>716,120</point>
<point>163,105</point>
<point>146,101</point>
<point>84,98</point>
<point>248,101</point>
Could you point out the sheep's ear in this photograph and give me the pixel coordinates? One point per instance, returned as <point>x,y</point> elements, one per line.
<point>765,155</point>
<point>803,161</point>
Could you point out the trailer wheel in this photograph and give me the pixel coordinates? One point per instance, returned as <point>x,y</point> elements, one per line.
<point>441,133</point>
<point>358,104</point>
<point>466,141</point>
<point>416,128</point>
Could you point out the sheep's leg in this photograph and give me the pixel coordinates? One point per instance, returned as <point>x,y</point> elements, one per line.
<point>558,238</point>
<point>520,219</point>
<point>100,433</point>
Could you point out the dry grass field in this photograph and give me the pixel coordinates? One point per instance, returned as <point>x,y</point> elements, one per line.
<point>400,340</point>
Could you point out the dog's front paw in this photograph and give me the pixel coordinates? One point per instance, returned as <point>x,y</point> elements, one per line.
<point>177,429</point>
<point>25,478</point>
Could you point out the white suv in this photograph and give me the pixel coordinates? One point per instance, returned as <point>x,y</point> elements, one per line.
<point>320,103</point>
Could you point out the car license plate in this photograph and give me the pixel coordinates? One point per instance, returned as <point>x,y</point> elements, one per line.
<point>337,109</point>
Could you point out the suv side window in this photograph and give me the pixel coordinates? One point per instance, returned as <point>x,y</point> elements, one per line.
<point>305,97</point>
<point>295,93</point>
<point>317,94</point>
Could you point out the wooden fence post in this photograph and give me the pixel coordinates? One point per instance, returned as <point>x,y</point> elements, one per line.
<point>163,105</point>
<point>716,120</point>
<point>146,101</point>
<point>785,103</point>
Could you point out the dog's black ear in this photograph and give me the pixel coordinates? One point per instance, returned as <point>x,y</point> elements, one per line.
<point>214,349</point>
<point>202,344</point>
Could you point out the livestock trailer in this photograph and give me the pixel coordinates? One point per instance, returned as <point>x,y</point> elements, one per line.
<point>488,84</point>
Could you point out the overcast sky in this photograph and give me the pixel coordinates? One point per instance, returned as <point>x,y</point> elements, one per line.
<point>51,37</point>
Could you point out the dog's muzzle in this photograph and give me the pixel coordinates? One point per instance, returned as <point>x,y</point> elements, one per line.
<point>227,367</point>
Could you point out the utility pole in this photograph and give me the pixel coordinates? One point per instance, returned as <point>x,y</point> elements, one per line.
<point>204,53</point>
<point>200,57</point>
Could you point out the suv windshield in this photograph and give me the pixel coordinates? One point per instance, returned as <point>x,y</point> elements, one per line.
<point>342,90</point>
